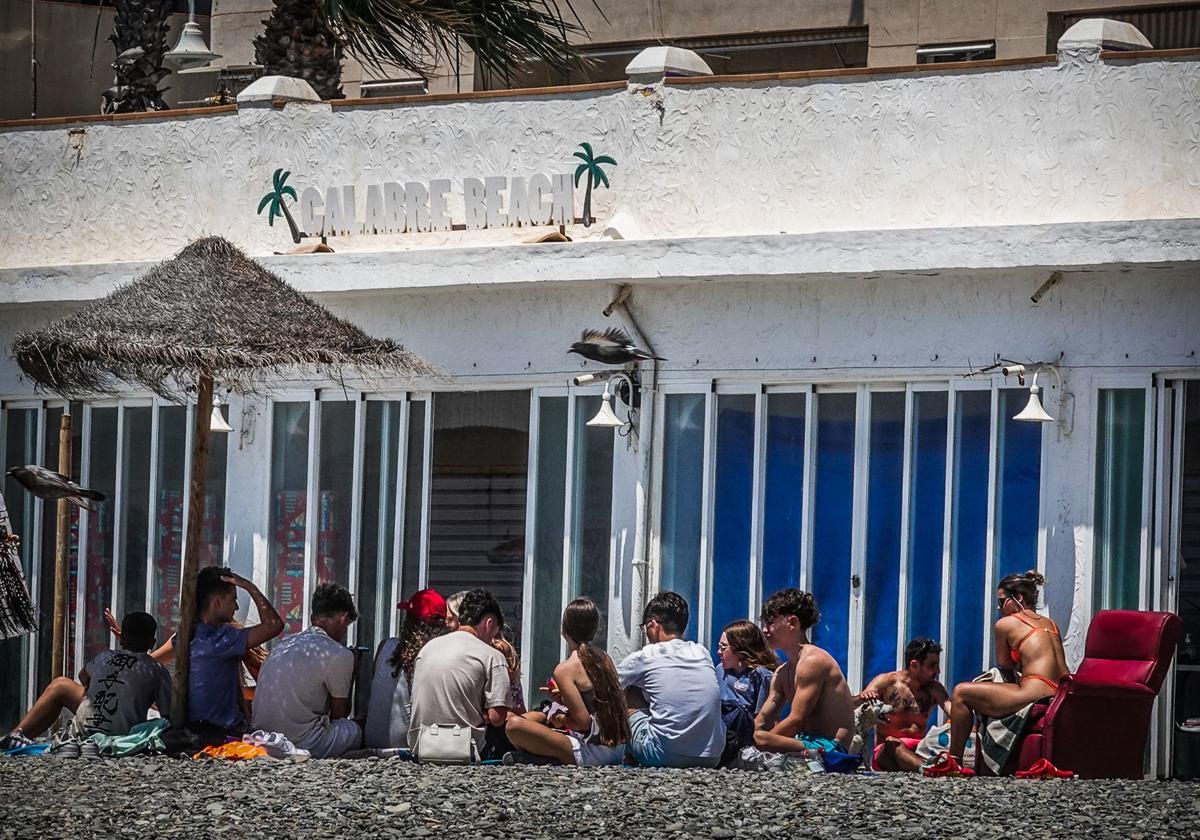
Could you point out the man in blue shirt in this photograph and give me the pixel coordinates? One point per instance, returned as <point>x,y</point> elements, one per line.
<point>218,645</point>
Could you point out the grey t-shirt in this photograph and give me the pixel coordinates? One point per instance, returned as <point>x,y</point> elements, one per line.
<point>122,686</point>
<point>456,678</point>
<point>678,680</point>
<point>296,683</point>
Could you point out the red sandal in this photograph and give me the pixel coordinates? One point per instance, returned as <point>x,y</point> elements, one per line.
<point>944,766</point>
<point>1043,769</point>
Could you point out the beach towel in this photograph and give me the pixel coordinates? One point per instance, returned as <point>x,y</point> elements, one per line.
<point>998,736</point>
<point>142,738</point>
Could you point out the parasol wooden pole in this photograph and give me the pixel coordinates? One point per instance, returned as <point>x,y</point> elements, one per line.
<point>191,548</point>
<point>61,549</point>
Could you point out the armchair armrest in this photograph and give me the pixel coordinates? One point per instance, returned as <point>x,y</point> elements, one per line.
<point>1101,689</point>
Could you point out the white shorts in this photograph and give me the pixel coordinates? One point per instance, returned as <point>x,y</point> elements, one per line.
<point>595,755</point>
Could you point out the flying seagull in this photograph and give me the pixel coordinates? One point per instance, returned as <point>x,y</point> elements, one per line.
<point>610,347</point>
<point>47,484</point>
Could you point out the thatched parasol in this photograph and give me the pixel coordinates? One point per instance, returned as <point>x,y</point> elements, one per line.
<point>210,314</point>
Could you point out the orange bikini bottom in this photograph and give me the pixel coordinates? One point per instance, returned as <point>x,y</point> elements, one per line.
<point>1053,685</point>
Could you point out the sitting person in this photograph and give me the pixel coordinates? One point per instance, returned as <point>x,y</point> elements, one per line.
<point>452,604</point>
<point>821,716</point>
<point>459,678</point>
<point>304,688</point>
<point>115,689</point>
<point>912,693</point>
<point>215,706</point>
<point>512,659</point>
<point>593,729</point>
<point>746,664</point>
<point>671,693</point>
<point>390,706</point>
<point>1025,640</point>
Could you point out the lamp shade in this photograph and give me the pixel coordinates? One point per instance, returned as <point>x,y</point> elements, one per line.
<point>218,422</point>
<point>1033,411</point>
<point>606,417</point>
<point>190,51</point>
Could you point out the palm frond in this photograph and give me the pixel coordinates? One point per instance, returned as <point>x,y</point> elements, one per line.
<point>587,147</point>
<point>582,157</point>
<point>579,170</point>
<point>605,159</point>
<point>289,191</point>
<point>414,34</point>
<point>266,199</point>
<point>601,178</point>
<point>276,181</point>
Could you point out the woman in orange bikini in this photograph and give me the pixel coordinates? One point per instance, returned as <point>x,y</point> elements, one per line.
<point>1026,642</point>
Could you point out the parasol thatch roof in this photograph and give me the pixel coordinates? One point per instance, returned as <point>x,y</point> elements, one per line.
<point>209,311</point>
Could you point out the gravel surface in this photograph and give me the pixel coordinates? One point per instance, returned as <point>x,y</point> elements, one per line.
<point>145,798</point>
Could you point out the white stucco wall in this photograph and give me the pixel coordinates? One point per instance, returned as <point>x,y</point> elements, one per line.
<point>1022,145</point>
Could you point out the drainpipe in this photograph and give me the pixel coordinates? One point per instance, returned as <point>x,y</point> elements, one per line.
<point>644,508</point>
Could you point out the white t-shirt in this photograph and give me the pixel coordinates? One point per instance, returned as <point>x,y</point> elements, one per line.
<point>296,683</point>
<point>390,705</point>
<point>678,680</point>
<point>455,678</point>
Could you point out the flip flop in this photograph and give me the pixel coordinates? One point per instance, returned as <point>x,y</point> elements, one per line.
<point>1043,769</point>
<point>944,766</point>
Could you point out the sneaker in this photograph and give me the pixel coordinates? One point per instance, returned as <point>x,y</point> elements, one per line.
<point>89,749</point>
<point>521,757</point>
<point>944,766</point>
<point>66,749</point>
<point>14,740</point>
<point>277,746</point>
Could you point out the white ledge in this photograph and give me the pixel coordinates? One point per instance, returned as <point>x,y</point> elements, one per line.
<point>704,259</point>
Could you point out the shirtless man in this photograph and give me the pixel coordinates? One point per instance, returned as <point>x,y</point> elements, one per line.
<point>912,693</point>
<point>821,716</point>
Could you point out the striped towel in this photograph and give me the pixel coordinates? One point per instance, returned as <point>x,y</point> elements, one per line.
<point>999,735</point>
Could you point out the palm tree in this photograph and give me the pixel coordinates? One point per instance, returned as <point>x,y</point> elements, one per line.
<point>275,199</point>
<point>308,38</point>
<point>591,166</point>
<point>140,37</point>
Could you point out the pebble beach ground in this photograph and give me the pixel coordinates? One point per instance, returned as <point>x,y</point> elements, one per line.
<point>144,798</point>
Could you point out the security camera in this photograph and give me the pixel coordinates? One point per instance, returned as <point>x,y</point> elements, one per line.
<point>585,378</point>
<point>1013,370</point>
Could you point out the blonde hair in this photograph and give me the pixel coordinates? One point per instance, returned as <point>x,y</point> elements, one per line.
<point>511,658</point>
<point>454,602</point>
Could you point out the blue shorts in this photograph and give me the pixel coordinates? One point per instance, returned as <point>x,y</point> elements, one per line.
<point>646,746</point>
<point>816,742</point>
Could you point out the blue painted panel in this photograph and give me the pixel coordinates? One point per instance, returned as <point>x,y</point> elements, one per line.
<point>682,487</point>
<point>732,511</point>
<point>1019,456</point>
<point>833,510</point>
<point>783,505</point>
<point>927,511</point>
<point>968,535</point>
<point>881,588</point>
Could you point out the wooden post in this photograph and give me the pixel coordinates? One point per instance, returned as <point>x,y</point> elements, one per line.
<point>191,549</point>
<point>62,548</point>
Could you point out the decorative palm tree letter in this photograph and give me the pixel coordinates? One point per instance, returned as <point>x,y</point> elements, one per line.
<point>278,205</point>
<point>595,175</point>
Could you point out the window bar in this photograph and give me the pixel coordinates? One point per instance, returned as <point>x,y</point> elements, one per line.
<point>989,556</point>
<point>356,503</point>
<point>707,496</point>
<point>35,558</point>
<point>948,515</point>
<point>85,474</point>
<point>117,575</point>
<point>1147,501</point>
<point>906,476</point>
<point>757,502</point>
<point>1044,453</point>
<point>527,582</point>
<point>426,488</point>
<point>858,533</point>
<point>398,533</point>
<point>809,496</point>
<point>311,508</point>
<point>1169,565</point>
<point>568,583</point>
<point>152,504</point>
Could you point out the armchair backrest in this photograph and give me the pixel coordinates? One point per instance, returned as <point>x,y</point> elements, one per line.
<point>1130,646</point>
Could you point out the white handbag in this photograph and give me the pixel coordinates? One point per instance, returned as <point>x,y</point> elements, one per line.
<point>445,743</point>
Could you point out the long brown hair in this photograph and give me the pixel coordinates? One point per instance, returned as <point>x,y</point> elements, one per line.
<point>1023,588</point>
<point>748,642</point>
<point>580,623</point>
<point>413,635</point>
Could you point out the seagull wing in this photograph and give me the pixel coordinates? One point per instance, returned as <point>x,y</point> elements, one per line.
<point>606,338</point>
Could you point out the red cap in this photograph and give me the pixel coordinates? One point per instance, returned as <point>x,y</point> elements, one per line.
<point>426,605</point>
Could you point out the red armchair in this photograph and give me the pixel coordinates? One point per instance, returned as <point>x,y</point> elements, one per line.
<point>1098,722</point>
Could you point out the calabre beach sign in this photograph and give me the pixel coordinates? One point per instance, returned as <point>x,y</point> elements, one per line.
<point>397,206</point>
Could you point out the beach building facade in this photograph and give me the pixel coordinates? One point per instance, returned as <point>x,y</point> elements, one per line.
<point>855,279</point>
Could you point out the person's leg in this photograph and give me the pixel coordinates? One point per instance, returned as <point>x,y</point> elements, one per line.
<point>62,693</point>
<point>994,700</point>
<point>644,746</point>
<point>901,757</point>
<point>537,739</point>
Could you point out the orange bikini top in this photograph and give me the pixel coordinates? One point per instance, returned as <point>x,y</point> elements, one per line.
<point>1015,652</point>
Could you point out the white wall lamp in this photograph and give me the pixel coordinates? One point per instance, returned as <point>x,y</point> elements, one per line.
<point>606,416</point>
<point>190,50</point>
<point>1033,412</point>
